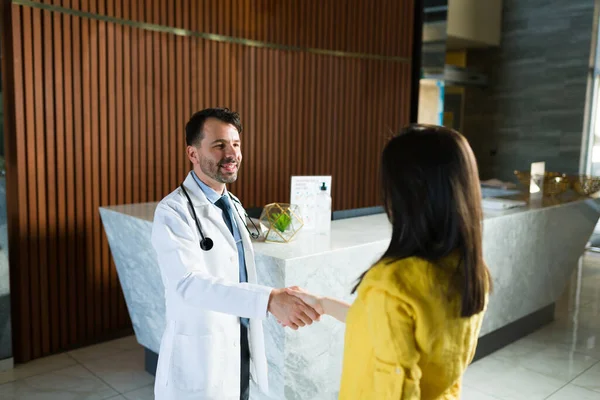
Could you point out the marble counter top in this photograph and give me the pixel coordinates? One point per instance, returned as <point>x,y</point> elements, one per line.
<point>345,233</point>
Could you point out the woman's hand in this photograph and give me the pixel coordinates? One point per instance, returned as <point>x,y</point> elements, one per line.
<point>335,308</point>
<point>312,300</point>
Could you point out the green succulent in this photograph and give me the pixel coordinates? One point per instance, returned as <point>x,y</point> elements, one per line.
<point>281,221</point>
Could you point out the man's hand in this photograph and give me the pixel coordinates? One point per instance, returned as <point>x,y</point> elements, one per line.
<point>290,310</point>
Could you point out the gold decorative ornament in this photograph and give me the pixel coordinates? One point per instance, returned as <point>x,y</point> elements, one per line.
<point>586,185</point>
<point>554,183</point>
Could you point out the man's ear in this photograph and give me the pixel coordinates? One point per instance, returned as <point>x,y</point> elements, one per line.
<point>192,153</point>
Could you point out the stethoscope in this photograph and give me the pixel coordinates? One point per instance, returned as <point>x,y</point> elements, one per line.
<point>207,243</point>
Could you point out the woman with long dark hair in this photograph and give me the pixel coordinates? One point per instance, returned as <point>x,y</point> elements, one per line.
<point>413,327</point>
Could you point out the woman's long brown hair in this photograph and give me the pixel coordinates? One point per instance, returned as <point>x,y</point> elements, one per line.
<point>432,195</point>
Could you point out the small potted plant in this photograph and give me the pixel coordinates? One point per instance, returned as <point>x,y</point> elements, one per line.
<point>283,222</point>
<point>280,221</point>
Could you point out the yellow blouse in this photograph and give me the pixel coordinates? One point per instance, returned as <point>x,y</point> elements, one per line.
<point>405,338</point>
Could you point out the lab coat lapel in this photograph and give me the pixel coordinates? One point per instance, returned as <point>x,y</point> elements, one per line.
<point>214,215</point>
<point>207,211</point>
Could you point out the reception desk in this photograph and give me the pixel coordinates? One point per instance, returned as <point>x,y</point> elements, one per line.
<point>531,253</point>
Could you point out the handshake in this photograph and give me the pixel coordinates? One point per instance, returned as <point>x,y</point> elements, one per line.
<point>294,307</point>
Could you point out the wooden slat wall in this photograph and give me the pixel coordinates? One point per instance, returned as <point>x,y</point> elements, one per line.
<point>100,110</point>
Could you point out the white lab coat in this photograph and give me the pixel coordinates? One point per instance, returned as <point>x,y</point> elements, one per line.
<point>199,354</point>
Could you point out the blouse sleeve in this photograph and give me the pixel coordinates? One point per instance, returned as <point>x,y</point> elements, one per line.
<point>392,335</point>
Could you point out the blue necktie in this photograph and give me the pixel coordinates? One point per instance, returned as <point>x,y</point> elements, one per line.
<point>224,204</point>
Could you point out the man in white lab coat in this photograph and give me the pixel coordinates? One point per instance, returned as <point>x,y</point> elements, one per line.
<point>213,342</point>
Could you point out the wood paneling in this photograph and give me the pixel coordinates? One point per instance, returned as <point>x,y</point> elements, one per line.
<point>99,115</point>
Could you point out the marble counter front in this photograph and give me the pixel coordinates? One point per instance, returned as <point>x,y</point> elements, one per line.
<point>530,252</point>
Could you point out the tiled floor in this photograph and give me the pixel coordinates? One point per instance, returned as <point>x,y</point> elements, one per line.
<point>558,362</point>
<point>113,370</point>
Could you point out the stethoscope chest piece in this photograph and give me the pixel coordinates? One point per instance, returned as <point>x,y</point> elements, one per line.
<point>206,244</point>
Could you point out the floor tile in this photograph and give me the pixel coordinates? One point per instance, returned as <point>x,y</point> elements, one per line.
<point>508,381</point>
<point>106,349</point>
<point>585,318</point>
<point>36,367</point>
<point>6,364</point>
<point>550,360</point>
<point>590,379</point>
<point>469,393</point>
<point>572,392</point>
<point>71,383</point>
<point>581,340</point>
<point>124,372</point>
<point>145,393</point>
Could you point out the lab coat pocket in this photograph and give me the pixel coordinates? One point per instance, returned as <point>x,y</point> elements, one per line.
<point>196,364</point>
<point>388,380</point>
